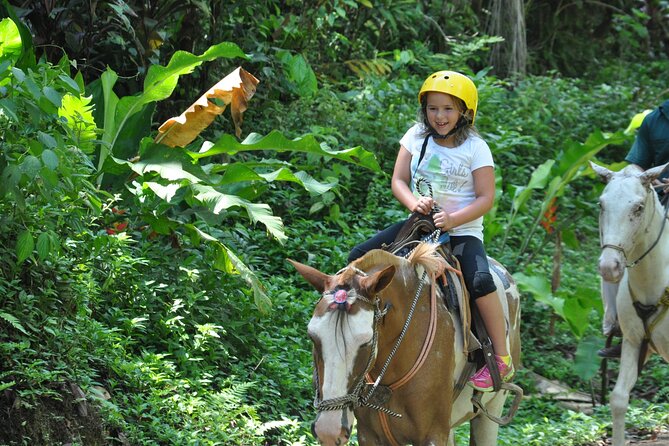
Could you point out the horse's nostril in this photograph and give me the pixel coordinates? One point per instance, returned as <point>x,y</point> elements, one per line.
<point>313,429</point>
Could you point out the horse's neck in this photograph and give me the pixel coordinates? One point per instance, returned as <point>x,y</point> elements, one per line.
<point>651,275</point>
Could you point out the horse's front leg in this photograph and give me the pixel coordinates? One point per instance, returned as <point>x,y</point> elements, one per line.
<point>627,377</point>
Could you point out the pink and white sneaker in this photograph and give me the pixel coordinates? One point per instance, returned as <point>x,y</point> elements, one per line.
<point>482,380</point>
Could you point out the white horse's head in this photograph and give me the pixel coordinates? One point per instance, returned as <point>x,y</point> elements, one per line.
<point>626,212</point>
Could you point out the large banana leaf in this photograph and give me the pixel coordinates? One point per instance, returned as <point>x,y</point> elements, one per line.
<point>277,142</point>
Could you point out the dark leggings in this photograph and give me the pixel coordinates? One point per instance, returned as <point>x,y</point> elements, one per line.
<point>468,249</point>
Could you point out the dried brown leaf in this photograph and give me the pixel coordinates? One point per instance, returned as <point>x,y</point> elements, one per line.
<point>235,89</point>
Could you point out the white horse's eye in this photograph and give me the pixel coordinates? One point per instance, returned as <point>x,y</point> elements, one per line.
<point>638,209</point>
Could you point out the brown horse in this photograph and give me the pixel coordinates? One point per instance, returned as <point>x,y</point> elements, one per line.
<point>388,351</point>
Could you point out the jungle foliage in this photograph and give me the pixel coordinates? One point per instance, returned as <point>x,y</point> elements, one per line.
<point>144,298</point>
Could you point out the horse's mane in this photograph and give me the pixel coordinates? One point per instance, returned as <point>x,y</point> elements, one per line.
<point>425,255</point>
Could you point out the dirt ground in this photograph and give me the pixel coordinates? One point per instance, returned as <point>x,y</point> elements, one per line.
<point>662,439</point>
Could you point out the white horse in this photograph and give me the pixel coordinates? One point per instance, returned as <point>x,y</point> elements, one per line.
<point>635,254</point>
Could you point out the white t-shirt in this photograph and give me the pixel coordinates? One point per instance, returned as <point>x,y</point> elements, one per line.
<point>449,171</point>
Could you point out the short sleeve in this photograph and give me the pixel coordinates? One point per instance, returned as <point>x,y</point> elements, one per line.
<point>412,140</point>
<point>482,155</point>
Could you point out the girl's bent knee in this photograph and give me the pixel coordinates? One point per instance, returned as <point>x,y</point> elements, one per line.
<point>482,285</point>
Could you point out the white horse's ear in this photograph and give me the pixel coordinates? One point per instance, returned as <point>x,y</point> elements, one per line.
<point>603,173</point>
<point>649,175</point>
<point>316,278</point>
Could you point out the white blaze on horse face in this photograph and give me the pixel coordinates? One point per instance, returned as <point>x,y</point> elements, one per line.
<point>621,217</point>
<point>341,335</point>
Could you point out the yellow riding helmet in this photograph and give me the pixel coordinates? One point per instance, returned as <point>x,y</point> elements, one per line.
<point>455,84</point>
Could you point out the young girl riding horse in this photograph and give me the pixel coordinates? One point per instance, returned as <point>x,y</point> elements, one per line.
<point>445,149</point>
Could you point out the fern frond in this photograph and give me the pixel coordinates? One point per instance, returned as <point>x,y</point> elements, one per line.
<point>14,322</point>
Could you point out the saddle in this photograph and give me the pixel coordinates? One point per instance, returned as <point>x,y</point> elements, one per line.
<point>419,228</point>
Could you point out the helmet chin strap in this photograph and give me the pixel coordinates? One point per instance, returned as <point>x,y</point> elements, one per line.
<point>461,123</point>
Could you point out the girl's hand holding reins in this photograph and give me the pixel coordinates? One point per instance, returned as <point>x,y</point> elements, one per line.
<point>443,221</point>
<point>423,205</point>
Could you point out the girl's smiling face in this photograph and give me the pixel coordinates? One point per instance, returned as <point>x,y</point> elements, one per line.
<point>442,112</point>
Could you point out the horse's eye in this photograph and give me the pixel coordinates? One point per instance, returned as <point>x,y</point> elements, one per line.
<point>638,209</point>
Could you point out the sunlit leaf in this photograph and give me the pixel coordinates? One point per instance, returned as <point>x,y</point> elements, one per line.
<point>164,192</point>
<point>275,141</point>
<point>79,115</point>
<point>636,121</point>
<point>236,89</point>
<point>258,212</point>
<point>159,84</point>
<point>260,296</point>
<point>238,172</point>
<point>10,40</point>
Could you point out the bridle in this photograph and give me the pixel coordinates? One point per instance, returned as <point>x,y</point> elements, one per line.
<point>622,250</point>
<point>357,397</point>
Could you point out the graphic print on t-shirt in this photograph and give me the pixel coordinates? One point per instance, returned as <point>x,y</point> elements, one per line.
<point>447,177</point>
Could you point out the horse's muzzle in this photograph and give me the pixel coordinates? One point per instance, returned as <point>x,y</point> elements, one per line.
<point>611,266</point>
<point>329,429</point>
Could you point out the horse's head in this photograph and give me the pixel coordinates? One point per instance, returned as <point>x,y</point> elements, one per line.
<point>342,330</point>
<point>626,211</point>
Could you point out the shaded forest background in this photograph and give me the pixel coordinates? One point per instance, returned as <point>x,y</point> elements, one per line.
<point>144,296</point>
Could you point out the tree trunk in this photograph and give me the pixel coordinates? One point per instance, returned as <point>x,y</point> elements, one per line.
<point>507,20</point>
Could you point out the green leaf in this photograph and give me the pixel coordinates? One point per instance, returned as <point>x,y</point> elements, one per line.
<point>161,81</point>
<point>540,288</point>
<point>586,363</point>
<point>8,108</point>
<point>260,296</point>
<point>108,79</point>
<point>50,159</point>
<point>276,142</point>
<point>299,72</point>
<point>71,85</point>
<point>10,40</point>
<point>636,121</point>
<point>43,245</point>
<point>9,385</point>
<point>238,172</point>
<point>10,177</point>
<point>227,261</point>
<point>25,245</point>
<point>53,96</point>
<point>14,322</point>
<point>79,115</point>
<point>31,166</point>
<point>164,192</point>
<point>173,164</point>
<point>47,140</point>
<point>217,202</point>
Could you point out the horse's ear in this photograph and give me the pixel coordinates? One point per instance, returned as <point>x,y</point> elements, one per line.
<point>603,173</point>
<point>649,175</point>
<point>316,278</point>
<point>376,282</point>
